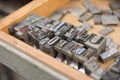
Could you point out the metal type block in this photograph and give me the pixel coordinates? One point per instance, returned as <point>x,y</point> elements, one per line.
<point>47,32</point>
<point>31,37</point>
<point>58,14</point>
<point>91,61</point>
<point>35,35</point>
<point>91,65</point>
<point>116,66</point>
<point>85,17</point>
<point>39,23</point>
<point>78,49</point>
<point>82,36</point>
<point>67,50</point>
<point>49,46</point>
<point>57,25</point>
<point>109,54</point>
<point>19,26</point>
<point>110,20</point>
<point>107,11</point>
<point>20,31</point>
<point>91,68</point>
<point>114,5</point>
<point>96,42</point>
<point>59,48</point>
<point>43,23</point>
<point>22,34</point>
<point>106,31</point>
<point>69,46</point>
<point>108,41</point>
<point>12,29</point>
<point>61,31</point>
<point>42,42</point>
<point>113,45</point>
<point>80,29</point>
<point>40,34</point>
<point>98,74</point>
<point>77,11</point>
<point>97,19</point>
<point>89,53</point>
<point>91,7</point>
<point>85,54</point>
<point>69,35</point>
<point>87,26</point>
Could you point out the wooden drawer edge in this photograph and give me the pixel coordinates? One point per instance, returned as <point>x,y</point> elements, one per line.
<point>53,63</point>
<point>20,13</point>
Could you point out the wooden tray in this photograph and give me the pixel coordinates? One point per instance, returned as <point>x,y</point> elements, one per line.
<point>46,8</point>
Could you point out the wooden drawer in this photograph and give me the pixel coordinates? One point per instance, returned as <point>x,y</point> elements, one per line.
<point>45,8</point>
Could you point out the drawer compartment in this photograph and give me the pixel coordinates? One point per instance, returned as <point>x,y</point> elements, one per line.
<point>46,8</point>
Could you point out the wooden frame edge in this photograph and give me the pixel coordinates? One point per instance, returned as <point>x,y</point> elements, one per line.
<point>46,59</point>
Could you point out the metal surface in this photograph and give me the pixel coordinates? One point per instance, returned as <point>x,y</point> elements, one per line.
<point>96,42</point>
<point>77,11</point>
<point>97,19</point>
<point>58,14</point>
<point>108,40</point>
<point>115,5</point>
<point>107,12</point>
<point>87,26</point>
<point>110,20</point>
<point>85,17</point>
<point>106,31</point>
<point>91,7</point>
<point>117,12</point>
<point>109,54</point>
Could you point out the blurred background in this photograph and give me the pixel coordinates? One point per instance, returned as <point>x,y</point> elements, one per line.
<point>7,7</point>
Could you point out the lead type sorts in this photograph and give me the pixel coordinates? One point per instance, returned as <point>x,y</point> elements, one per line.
<point>63,40</point>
